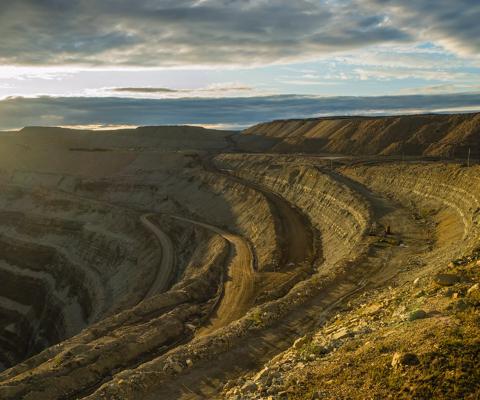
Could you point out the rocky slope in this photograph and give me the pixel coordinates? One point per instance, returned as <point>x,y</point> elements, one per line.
<point>428,135</point>
<point>415,339</point>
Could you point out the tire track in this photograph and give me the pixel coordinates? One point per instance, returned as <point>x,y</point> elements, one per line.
<point>166,269</point>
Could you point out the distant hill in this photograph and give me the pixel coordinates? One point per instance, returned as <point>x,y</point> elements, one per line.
<point>151,137</point>
<point>416,135</point>
<point>99,153</point>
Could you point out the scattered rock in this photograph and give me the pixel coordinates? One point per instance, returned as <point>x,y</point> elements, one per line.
<point>448,292</point>
<point>372,309</point>
<point>473,290</point>
<point>416,282</point>
<point>173,367</point>
<point>299,343</point>
<point>446,279</point>
<point>459,305</point>
<point>189,363</point>
<point>229,385</point>
<point>417,314</point>
<point>263,373</point>
<point>341,334</point>
<point>420,293</point>
<point>404,359</point>
<point>190,327</point>
<point>249,387</point>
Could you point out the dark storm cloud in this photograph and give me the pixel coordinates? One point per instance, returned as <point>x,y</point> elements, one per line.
<point>20,112</point>
<point>453,23</point>
<point>183,32</point>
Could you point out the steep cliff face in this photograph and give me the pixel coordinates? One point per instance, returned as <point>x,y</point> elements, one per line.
<point>428,135</point>
<point>204,195</point>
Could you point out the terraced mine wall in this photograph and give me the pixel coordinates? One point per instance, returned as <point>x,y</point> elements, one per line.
<point>254,218</point>
<point>205,196</point>
<point>448,193</point>
<point>342,232</point>
<point>130,337</point>
<point>340,214</point>
<point>62,274</point>
<point>427,135</point>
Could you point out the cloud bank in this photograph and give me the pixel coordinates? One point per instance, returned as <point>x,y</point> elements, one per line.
<point>227,112</point>
<point>212,32</point>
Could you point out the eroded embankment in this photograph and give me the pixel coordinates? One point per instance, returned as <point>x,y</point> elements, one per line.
<point>204,196</point>
<point>409,308</point>
<point>253,217</point>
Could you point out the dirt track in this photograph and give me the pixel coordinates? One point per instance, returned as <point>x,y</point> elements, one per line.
<point>238,291</point>
<point>293,227</point>
<point>167,263</point>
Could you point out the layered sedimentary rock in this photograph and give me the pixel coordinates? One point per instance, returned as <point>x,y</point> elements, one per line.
<point>448,193</point>
<point>340,214</point>
<point>427,135</point>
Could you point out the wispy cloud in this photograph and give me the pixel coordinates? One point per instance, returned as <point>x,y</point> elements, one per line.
<point>143,90</point>
<point>214,90</point>
<point>224,32</point>
<point>446,88</point>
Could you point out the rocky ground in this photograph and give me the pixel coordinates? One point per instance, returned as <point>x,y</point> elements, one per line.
<point>415,339</point>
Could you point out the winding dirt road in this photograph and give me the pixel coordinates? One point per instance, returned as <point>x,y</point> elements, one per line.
<point>238,292</point>
<point>293,227</point>
<point>166,269</point>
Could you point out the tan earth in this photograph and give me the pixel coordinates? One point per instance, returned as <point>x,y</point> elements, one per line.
<point>294,260</point>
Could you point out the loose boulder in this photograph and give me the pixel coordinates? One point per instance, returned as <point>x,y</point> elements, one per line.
<point>474,290</point>
<point>404,359</point>
<point>417,314</point>
<point>446,279</point>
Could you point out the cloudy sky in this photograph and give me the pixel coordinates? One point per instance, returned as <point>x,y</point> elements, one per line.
<point>61,60</point>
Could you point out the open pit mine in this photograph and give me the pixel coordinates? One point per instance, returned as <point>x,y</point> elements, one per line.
<point>331,258</point>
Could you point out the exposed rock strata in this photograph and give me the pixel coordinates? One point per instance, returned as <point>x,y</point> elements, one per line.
<point>427,135</point>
